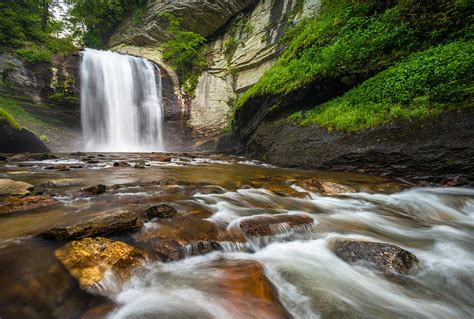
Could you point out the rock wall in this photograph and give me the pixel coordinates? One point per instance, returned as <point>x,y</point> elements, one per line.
<point>43,98</point>
<point>242,44</point>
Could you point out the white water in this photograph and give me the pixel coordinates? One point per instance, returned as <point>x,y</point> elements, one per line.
<point>121,103</point>
<point>312,282</point>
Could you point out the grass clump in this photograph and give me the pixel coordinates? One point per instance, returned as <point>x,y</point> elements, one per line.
<point>354,39</point>
<point>425,84</point>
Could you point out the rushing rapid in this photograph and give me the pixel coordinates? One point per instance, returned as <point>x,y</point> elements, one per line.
<point>121,103</point>
<point>247,241</point>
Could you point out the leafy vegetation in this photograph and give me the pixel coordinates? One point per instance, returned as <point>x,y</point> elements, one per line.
<point>360,38</point>
<point>185,52</point>
<point>426,84</point>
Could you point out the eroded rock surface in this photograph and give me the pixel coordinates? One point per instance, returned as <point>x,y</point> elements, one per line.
<point>380,256</point>
<point>99,226</point>
<point>271,225</point>
<point>160,211</point>
<point>26,204</point>
<point>89,259</point>
<point>10,187</point>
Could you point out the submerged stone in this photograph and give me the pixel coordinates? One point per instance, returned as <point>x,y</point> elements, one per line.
<point>64,182</point>
<point>10,187</point>
<point>271,225</point>
<point>380,256</point>
<point>121,164</point>
<point>94,190</point>
<point>320,186</point>
<point>99,226</point>
<point>160,211</point>
<point>89,259</point>
<point>25,204</point>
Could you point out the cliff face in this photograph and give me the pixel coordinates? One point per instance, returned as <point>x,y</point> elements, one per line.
<point>44,99</point>
<point>242,44</point>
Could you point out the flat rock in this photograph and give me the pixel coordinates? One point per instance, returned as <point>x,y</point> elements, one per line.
<point>23,157</point>
<point>64,182</point>
<point>160,211</point>
<point>380,256</point>
<point>271,225</point>
<point>88,259</point>
<point>320,186</point>
<point>9,187</point>
<point>99,226</point>
<point>94,190</point>
<point>26,204</point>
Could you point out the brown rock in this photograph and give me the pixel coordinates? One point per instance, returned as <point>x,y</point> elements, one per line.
<point>23,157</point>
<point>140,164</point>
<point>9,187</point>
<point>286,191</point>
<point>161,157</point>
<point>380,256</point>
<point>63,182</point>
<point>58,167</point>
<point>88,259</point>
<point>94,190</point>
<point>271,225</point>
<point>99,226</point>
<point>25,204</point>
<point>121,164</point>
<point>243,282</point>
<point>160,211</point>
<point>320,186</point>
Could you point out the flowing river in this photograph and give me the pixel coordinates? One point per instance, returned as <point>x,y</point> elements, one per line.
<point>286,269</point>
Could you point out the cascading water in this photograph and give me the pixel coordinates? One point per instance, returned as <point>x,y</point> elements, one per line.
<point>121,103</point>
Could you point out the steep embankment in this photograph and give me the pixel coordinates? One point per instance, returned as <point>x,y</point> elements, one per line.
<point>380,87</point>
<point>41,102</point>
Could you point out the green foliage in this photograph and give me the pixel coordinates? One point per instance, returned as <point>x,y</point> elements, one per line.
<point>426,84</point>
<point>4,115</point>
<point>358,38</point>
<point>138,16</point>
<point>63,97</point>
<point>185,52</point>
<point>296,117</point>
<point>34,54</point>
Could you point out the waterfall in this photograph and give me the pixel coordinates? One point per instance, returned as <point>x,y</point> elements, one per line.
<point>121,103</point>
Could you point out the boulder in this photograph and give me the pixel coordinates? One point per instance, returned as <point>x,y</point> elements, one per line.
<point>383,257</point>
<point>58,167</point>
<point>121,164</point>
<point>160,211</point>
<point>270,225</point>
<point>99,226</point>
<point>9,187</point>
<point>161,157</point>
<point>140,164</point>
<point>89,259</point>
<point>94,190</point>
<point>26,204</point>
<point>320,186</point>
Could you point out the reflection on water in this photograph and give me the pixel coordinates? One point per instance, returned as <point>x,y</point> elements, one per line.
<point>279,266</point>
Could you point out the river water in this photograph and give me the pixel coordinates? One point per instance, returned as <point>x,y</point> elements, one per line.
<point>305,278</point>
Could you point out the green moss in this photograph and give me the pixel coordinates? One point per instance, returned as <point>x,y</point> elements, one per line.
<point>426,84</point>
<point>12,106</point>
<point>34,54</point>
<point>4,115</point>
<point>296,117</point>
<point>358,38</point>
<point>63,97</point>
<point>185,52</point>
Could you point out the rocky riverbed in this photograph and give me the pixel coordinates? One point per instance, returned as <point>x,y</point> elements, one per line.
<point>212,236</point>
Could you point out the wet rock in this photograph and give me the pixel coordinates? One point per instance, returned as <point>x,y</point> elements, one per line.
<point>160,211</point>
<point>3,158</point>
<point>9,187</point>
<point>140,164</point>
<point>76,166</point>
<point>286,191</point>
<point>63,182</point>
<point>78,154</point>
<point>209,189</point>
<point>58,167</point>
<point>34,284</point>
<point>121,164</point>
<point>380,256</point>
<point>25,204</point>
<point>89,259</point>
<point>99,226</point>
<point>161,157</point>
<point>94,190</point>
<point>271,225</point>
<point>244,282</point>
<point>92,162</point>
<point>183,230</point>
<point>167,250</point>
<point>320,186</point>
<point>23,157</point>
<point>99,311</point>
